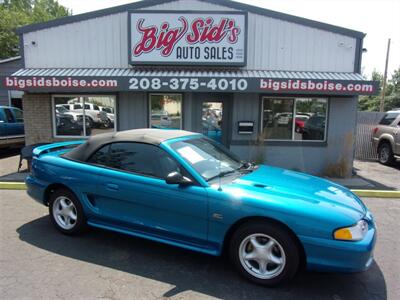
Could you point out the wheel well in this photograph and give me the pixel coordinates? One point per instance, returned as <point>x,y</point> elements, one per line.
<point>50,189</point>
<point>384,141</point>
<point>246,220</point>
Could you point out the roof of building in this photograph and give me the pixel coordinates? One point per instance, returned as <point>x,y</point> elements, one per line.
<point>146,135</point>
<point>181,72</point>
<point>227,3</point>
<point>6,60</point>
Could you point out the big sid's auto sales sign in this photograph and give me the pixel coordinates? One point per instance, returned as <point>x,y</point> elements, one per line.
<point>187,38</point>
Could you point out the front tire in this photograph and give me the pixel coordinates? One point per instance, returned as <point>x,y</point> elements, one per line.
<point>265,253</point>
<point>66,212</point>
<point>385,154</point>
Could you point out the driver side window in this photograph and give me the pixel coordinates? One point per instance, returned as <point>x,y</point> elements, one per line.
<point>139,158</point>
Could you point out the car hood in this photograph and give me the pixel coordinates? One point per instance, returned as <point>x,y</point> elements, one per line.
<point>303,189</point>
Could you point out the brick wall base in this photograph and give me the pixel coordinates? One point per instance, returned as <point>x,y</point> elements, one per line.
<point>37,118</point>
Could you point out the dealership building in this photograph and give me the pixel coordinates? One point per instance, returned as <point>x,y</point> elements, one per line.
<point>270,86</point>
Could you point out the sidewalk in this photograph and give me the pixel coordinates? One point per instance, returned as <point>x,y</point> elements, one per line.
<point>9,166</point>
<point>371,175</point>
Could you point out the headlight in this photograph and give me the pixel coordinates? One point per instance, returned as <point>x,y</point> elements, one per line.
<point>353,233</point>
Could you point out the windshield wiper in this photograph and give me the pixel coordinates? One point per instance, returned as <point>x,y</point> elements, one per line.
<point>246,166</point>
<point>221,174</point>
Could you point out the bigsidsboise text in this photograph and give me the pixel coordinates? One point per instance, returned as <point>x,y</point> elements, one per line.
<point>55,82</point>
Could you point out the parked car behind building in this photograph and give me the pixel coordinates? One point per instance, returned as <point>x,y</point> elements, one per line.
<point>66,125</point>
<point>314,128</point>
<point>11,127</point>
<point>96,118</point>
<point>110,115</point>
<point>386,137</point>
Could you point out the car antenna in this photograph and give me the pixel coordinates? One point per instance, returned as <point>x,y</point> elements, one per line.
<point>219,173</point>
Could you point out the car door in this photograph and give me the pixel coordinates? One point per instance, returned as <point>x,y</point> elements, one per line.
<point>2,123</point>
<point>132,193</point>
<point>397,137</point>
<point>19,121</point>
<point>10,126</point>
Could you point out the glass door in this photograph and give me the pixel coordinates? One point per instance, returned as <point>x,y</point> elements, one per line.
<point>211,120</point>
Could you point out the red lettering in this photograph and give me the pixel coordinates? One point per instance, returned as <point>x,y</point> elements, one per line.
<point>165,40</point>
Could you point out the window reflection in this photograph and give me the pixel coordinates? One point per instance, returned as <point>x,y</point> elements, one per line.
<point>309,122</point>
<point>138,158</point>
<point>277,119</point>
<point>83,115</point>
<point>166,111</point>
<point>211,120</point>
<point>310,119</point>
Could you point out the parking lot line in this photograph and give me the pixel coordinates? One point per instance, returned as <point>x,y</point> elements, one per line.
<point>377,193</point>
<point>12,186</point>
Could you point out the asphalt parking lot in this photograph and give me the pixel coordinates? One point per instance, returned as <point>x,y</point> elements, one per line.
<point>37,262</point>
<point>381,176</point>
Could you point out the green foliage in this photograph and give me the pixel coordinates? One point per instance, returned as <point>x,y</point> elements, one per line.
<point>16,13</point>
<point>392,94</point>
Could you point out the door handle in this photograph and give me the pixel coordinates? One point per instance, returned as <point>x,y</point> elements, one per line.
<point>112,187</point>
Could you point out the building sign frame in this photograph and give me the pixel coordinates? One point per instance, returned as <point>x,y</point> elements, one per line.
<point>200,40</point>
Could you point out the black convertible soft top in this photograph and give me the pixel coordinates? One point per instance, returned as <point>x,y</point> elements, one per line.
<point>148,136</point>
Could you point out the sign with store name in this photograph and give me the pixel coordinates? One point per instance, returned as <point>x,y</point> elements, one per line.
<point>187,38</point>
<point>189,84</point>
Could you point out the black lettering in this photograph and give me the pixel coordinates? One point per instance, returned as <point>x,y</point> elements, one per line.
<point>178,53</point>
<point>206,53</point>
<point>230,51</point>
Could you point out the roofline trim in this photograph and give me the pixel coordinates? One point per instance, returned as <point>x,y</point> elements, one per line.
<point>227,3</point>
<point>288,17</point>
<point>6,60</point>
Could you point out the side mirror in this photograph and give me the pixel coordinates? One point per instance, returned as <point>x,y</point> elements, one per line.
<point>177,178</point>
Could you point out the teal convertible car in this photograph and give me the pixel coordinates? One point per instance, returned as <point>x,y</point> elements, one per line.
<point>183,189</point>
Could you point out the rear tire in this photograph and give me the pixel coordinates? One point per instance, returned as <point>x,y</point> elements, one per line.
<point>265,253</point>
<point>66,212</point>
<point>385,154</point>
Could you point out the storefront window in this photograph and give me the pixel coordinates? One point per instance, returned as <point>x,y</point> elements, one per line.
<point>309,121</point>
<point>83,115</point>
<point>166,111</point>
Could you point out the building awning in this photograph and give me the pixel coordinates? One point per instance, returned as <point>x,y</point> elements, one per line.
<point>189,80</point>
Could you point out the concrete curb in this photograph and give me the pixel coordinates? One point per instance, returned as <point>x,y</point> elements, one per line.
<point>361,193</point>
<point>377,193</point>
<point>12,186</point>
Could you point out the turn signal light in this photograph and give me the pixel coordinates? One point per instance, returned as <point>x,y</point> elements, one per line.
<point>376,130</point>
<point>353,233</point>
<point>343,234</point>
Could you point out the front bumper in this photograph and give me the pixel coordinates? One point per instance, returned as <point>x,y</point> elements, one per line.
<point>339,256</point>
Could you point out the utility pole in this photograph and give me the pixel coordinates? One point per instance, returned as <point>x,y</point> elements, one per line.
<point>382,104</point>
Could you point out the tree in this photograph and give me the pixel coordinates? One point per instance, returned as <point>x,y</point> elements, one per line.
<point>392,93</point>
<point>393,100</point>
<point>16,13</point>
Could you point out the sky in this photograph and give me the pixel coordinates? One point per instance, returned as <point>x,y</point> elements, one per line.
<point>379,19</point>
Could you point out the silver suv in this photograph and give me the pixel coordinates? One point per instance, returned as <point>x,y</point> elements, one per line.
<point>386,137</point>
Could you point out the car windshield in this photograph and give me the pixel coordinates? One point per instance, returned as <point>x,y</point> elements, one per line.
<point>388,118</point>
<point>61,109</point>
<point>207,157</point>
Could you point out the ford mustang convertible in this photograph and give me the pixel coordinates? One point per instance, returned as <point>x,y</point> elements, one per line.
<point>183,189</point>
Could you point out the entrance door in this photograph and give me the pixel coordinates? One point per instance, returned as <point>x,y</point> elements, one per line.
<point>213,117</point>
<point>211,120</point>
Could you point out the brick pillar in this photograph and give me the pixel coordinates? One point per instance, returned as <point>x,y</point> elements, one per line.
<point>37,118</point>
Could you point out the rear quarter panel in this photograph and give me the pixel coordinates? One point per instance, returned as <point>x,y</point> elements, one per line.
<point>80,178</point>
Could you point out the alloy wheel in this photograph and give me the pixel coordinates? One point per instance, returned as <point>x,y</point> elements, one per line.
<point>262,256</point>
<point>64,212</point>
<point>384,154</point>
